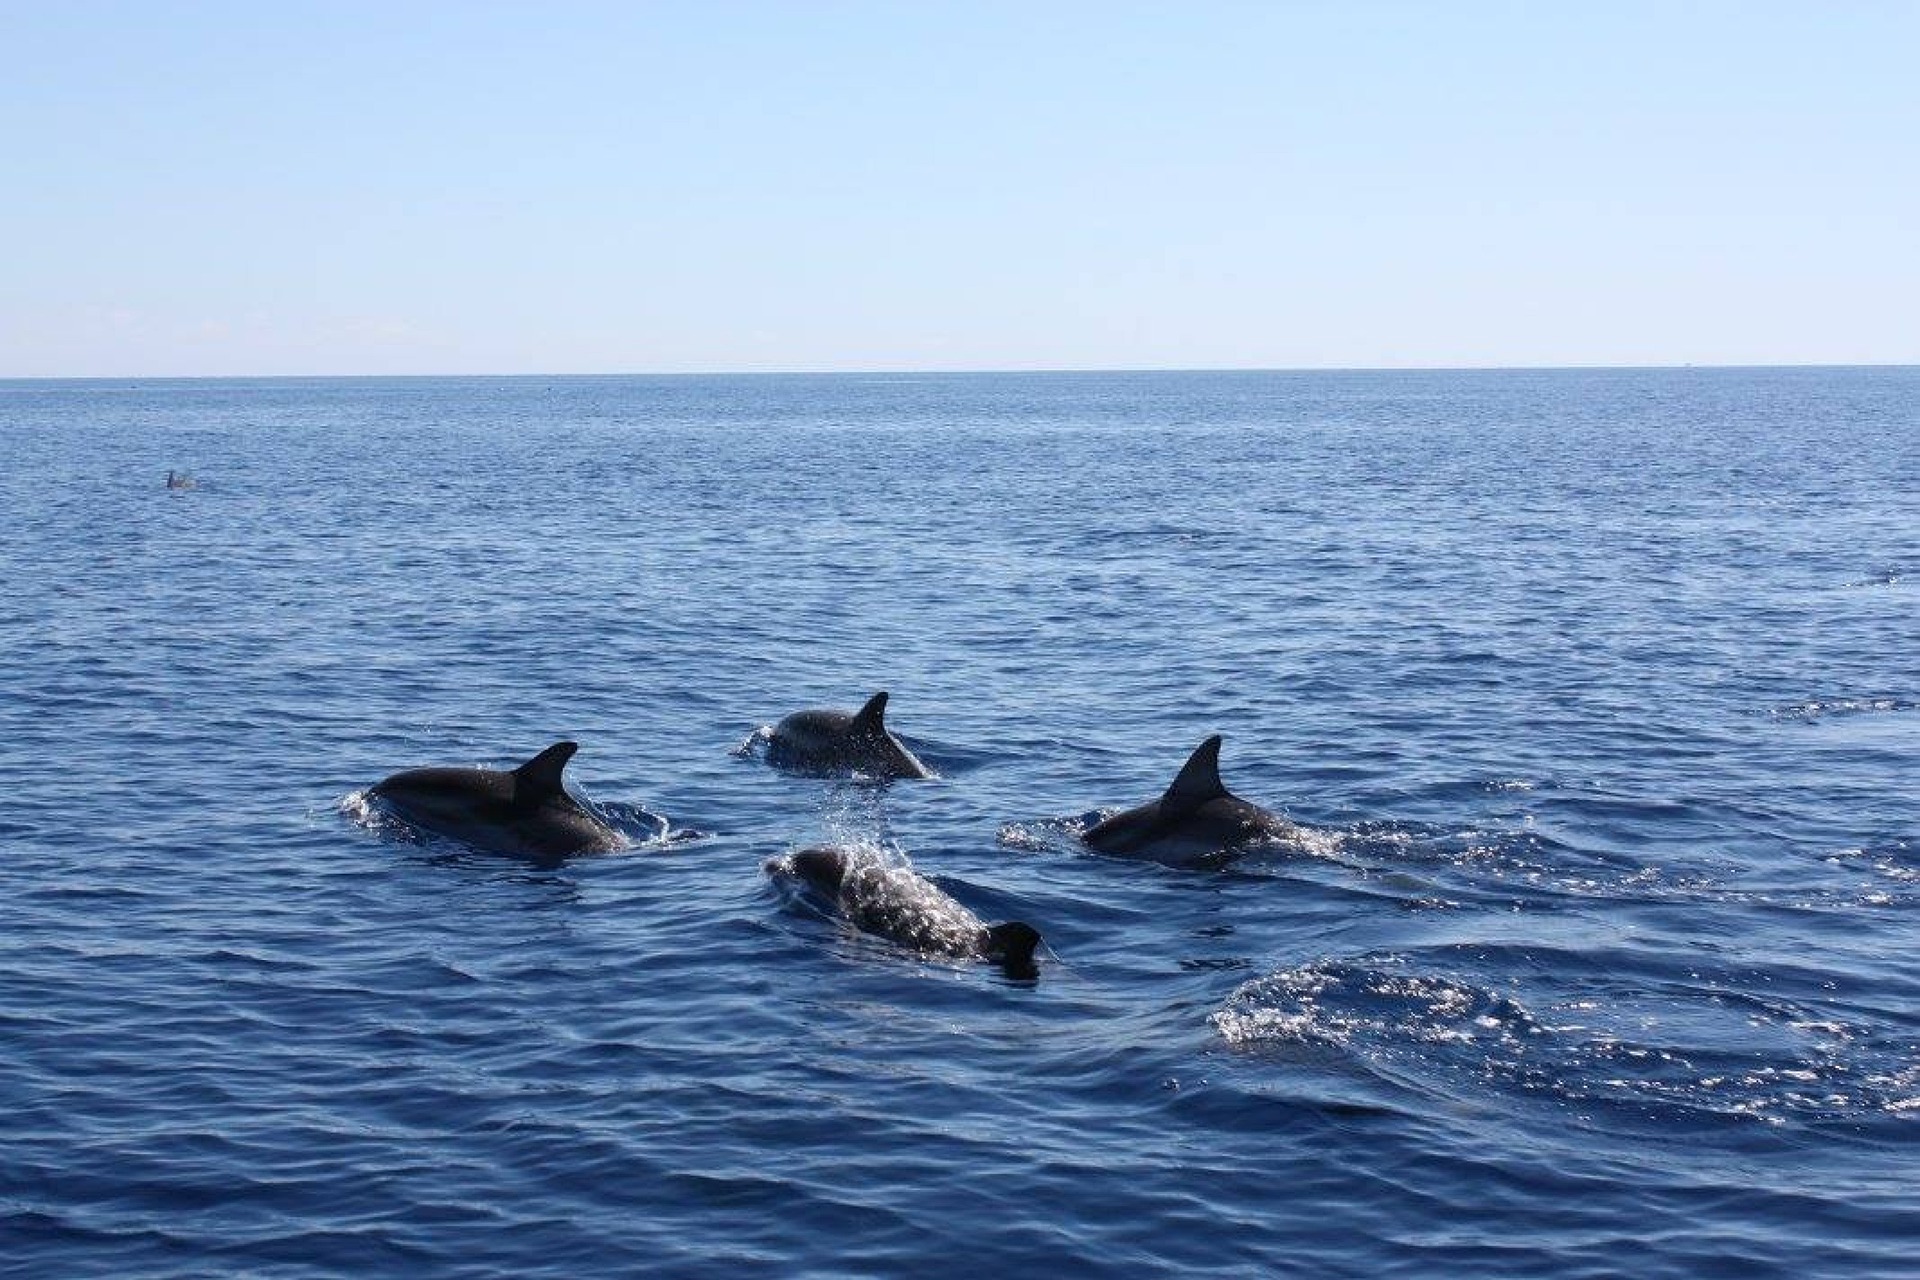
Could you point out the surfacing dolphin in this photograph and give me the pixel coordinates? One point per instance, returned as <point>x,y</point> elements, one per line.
<point>834,742</point>
<point>525,810</point>
<point>899,904</point>
<point>1198,820</point>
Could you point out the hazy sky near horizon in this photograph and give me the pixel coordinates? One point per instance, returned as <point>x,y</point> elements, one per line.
<point>342,187</point>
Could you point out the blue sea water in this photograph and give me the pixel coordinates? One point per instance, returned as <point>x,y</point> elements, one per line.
<point>1599,693</point>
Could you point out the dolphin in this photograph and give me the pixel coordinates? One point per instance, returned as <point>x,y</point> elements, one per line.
<point>1196,821</point>
<point>525,810</point>
<point>903,906</point>
<point>834,742</point>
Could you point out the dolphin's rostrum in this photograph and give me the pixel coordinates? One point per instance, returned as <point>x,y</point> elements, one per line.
<point>834,742</point>
<point>1196,820</point>
<point>525,810</point>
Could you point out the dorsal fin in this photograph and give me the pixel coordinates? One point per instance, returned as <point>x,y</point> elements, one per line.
<point>870,718</point>
<point>1199,779</point>
<point>539,778</point>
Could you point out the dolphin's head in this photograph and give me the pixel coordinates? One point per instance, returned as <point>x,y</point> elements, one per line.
<point>821,868</point>
<point>1012,945</point>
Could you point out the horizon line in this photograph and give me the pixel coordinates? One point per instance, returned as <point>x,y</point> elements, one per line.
<point>957,372</point>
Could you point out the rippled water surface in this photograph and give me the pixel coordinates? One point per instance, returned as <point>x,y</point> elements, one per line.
<point>1598,693</point>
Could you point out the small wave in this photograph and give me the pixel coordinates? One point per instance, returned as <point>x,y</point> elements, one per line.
<point>641,827</point>
<point>754,745</point>
<point>1052,835</point>
<point>1350,1005</point>
<point>1696,1051</point>
<point>1895,862</point>
<point>1492,861</point>
<point>1314,842</point>
<point>1031,837</point>
<point>361,809</point>
<point>1819,709</point>
<point>1160,533</point>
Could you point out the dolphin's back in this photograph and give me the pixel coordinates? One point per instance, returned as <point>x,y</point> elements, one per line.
<point>823,741</point>
<point>446,778</point>
<point>811,732</point>
<point>1196,819</point>
<point>440,787</point>
<point>523,810</point>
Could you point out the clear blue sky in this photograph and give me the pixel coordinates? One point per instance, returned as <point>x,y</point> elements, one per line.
<point>273,187</point>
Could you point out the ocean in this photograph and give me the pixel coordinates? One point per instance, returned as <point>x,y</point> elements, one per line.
<point>1598,692</point>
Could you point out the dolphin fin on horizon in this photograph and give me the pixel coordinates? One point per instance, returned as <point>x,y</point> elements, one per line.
<point>1198,780</point>
<point>541,777</point>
